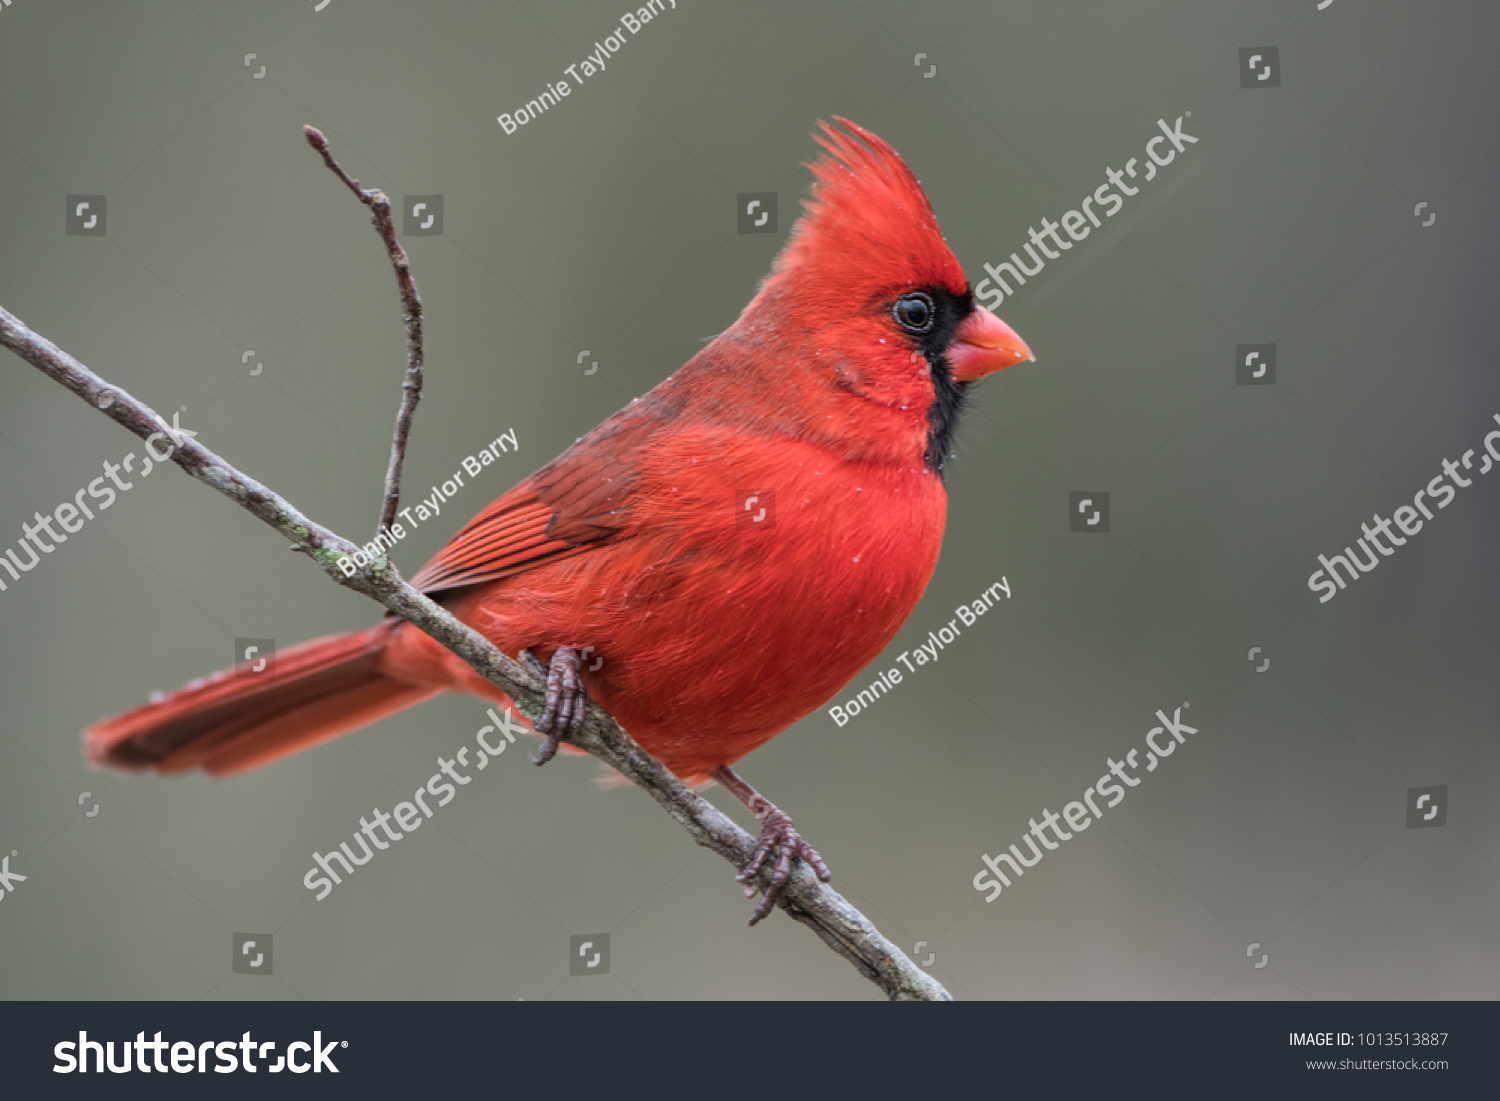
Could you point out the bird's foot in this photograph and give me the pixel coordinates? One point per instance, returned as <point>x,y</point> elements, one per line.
<point>566,701</point>
<point>779,845</point>
<point>779,840</point>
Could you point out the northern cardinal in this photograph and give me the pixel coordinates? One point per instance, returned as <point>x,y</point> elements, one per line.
<point>712,626</point>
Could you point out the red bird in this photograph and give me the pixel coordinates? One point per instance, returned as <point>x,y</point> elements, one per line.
<point>831,401</point>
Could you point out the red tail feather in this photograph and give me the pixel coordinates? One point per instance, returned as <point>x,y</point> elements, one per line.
<point>237,720</point>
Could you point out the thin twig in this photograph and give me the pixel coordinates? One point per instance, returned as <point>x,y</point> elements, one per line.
<point>838,923</point>
<point>411,310</point>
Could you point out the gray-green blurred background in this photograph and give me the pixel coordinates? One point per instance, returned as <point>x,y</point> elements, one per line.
<point>608,227</point>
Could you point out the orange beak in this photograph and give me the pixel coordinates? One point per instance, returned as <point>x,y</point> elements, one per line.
<point>983,345</point>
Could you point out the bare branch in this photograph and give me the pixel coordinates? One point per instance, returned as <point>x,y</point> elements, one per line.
<point>840,925</point>
<point>411,309</point>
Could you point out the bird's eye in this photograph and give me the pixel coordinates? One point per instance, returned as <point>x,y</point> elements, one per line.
<point>914,312</point>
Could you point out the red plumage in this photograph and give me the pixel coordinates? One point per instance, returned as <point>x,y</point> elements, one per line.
<point>715,632</point>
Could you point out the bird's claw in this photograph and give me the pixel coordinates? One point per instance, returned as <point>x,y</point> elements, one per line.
<point>781,843</point>
<point>566,701</point>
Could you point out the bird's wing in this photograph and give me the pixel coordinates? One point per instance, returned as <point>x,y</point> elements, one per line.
<point>579,500</point>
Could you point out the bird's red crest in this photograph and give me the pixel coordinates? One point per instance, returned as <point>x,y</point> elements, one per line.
<point>867,221</point>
